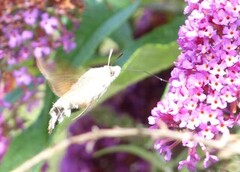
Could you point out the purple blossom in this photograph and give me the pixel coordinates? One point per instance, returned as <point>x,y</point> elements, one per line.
<point>27,32</point>
<point>29,99</point>
<point>15,39</point>
<point>30,16</point>
<point>1,54</point>
<point>204,85</point>
<point>49,24</point>
<point>22,76</point>
<point>41,51</point>
<point>191,161</point>
<point>210,159</point>
<point>68,41</point>
<point>24,53</point>
<point>163,147</point>
<point>41,48</point>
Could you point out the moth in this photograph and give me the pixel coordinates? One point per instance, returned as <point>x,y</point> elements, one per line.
<point>80,94</point>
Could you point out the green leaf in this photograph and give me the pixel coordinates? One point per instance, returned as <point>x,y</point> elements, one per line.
<point>103,31</point>
<point>123,36</point>
<point>161,35</point>
<point>31,141</point>
<point>97,24</point>
<point>14,95</point>
<point>152,58</point>
<point>149,156</point>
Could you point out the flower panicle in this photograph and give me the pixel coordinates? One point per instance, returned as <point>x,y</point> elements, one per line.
<point>204,87</point>
<point>30,29</point>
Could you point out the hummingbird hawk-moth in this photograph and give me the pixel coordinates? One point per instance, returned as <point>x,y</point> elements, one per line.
<point>79,94</point>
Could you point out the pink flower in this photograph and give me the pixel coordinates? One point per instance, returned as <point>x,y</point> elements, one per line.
<point>22,76</point>
<point>49,24</point>
<point>31,16</point>
<point>205,81</point>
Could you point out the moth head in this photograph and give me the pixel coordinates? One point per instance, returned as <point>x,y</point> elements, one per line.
<point>113,71</point>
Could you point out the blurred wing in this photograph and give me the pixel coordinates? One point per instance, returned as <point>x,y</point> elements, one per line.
<point>61,84</point>
<point>60,80</point>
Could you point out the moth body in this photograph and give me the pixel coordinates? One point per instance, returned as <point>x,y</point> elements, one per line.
<point>88,88</point>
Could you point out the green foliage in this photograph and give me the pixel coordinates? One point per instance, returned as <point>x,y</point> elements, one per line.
<point>161,35</point>
<point>153,52</point>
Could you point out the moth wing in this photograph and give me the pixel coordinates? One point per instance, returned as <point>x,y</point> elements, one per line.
<point>60,80</point>
<point>60,85</point>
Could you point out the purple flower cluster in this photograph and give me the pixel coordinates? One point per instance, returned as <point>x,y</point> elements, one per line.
<point>203,96</point>
<point>26,33</point>
<point>29,29</point>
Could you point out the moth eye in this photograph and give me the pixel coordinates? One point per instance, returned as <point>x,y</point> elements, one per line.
<point>112,73</point>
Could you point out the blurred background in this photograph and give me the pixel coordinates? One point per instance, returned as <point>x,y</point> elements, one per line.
<point>76,35</point>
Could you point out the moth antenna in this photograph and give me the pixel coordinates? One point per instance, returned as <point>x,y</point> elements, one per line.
<point>136,70</point>
<point>109,56</point>
<point>119,56</point>
<point>161,79</point>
